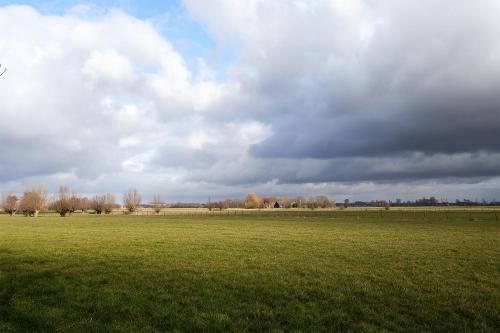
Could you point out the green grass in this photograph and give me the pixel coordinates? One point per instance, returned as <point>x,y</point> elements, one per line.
<point>297,271</point>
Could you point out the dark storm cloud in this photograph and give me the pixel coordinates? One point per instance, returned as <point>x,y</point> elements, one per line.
<point>452,125</point>
<point>463,167</point>
<point>423,78</point>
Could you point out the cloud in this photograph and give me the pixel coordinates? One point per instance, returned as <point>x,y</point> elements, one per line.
<point>108,65</point>
<point>79,96</point>
<point>357,83</point>
<point>325,96</point>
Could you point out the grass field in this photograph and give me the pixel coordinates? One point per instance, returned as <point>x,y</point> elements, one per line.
<point>296,271</point>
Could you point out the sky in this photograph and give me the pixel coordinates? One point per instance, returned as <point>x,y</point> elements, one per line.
<point>359,99</point>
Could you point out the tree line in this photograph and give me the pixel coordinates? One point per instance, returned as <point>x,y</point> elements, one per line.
<point>65,202</point>
<point>252,201</point>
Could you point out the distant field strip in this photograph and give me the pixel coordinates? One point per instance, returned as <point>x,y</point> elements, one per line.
<point>474,213</point>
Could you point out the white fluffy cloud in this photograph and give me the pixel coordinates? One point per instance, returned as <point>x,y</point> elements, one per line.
<point>100,96</point>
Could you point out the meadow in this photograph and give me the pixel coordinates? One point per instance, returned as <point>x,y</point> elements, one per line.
<point>353,271</point>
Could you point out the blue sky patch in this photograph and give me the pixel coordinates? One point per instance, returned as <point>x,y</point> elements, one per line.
<point>171,19</point>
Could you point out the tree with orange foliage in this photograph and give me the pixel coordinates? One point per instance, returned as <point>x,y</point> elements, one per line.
<point>253,201</point>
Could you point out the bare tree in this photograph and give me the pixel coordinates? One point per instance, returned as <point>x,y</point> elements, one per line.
<point>2,72</point>
<point>101,203</point>
<point>62,203</point>
<point>97,203</point>
<point>158,203</point>
<point>10,203</point>
<point>84,204</point>
<point>323,201</point>
<point>236,203</point>
<point>267,202</point>
<point>252,200</point>
<point>301,202</point>
<point>223,205</point>
<point>285,202</point>
<point>33,201</point>
<point>109,203</point>
<point>75,203</point>
<point>312,203</point>
<point>132,200</point>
